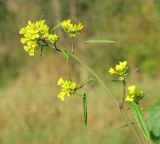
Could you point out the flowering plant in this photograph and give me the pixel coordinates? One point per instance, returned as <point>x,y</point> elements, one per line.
<point>38,35</point>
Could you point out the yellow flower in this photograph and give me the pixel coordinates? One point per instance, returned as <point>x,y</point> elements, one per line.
<point>34,33</point>
<point>112,71</point>
<point>60,81</point>
<point>134,95</point>
<point>120,70</point>
<point>130,98</point>
<point>71,29</point>
<point>131,89</point>
<point>68,88</point>
<point>52,38</point>
<point>121,66</point>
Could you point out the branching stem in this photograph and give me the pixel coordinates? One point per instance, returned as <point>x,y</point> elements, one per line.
<point>102,83</point>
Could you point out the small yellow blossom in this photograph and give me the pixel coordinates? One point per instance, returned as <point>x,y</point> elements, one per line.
<point>112,71</point>
<point>71,29</point>
<point>34,33</point>
<point>134,95</point>
<point>120,70</point>
<point>121,66</point>
<point>68,88</point>
<point>130,98</point>
<point>131,89</point>
<point>60,81</point>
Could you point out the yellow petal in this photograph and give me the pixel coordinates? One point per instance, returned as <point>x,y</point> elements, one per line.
<point>112,71</point>
<point>60,81</point>
<point>131,89</point>
<point>129,98</point>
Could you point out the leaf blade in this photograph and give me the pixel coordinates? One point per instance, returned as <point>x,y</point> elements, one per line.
<point>140,119</point>
<point>153,122</point>
<point>99,41</point>
<point>85,109</point>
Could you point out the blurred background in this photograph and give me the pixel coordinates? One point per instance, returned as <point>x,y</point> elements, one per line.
<point>30,112</point>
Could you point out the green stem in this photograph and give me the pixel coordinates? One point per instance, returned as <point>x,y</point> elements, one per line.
<point>121,105</point>
<point>56,27</point>
<point>124,92</point>
<point>72,45</point>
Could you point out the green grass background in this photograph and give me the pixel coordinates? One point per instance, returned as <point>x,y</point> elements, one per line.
<point>32,114</point>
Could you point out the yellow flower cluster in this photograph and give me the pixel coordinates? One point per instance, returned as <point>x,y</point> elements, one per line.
<point>134,95</point>
<point>71,29</point>
<point>120,70</point>
<point>68,88</point>
<point>33,33</point>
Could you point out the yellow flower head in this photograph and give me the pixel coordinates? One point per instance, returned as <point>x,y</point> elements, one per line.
<point>71,29</point>
<point>35,32</point>
<point>120,70</point>
<point>121,66</point>
<point>134,95</point>
<point>68,88</point>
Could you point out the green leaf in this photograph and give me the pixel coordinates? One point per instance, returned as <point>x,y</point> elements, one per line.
<point>153,122</point>
<point>99,41</point>
<point>85,109</point>
<point>86,82</point>
<point>140,119</point>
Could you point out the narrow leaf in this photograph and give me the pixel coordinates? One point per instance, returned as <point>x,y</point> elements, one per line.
<point>140,119</point>
<point>86,82</point>
<point>99,41</point>
<point>85,108</point>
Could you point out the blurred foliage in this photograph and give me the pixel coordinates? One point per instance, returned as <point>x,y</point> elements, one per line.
<point>133,25</point>
<point>7,22</point>
<point>10,64</point>
<point>154,122</point>
<point>31,117</point>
